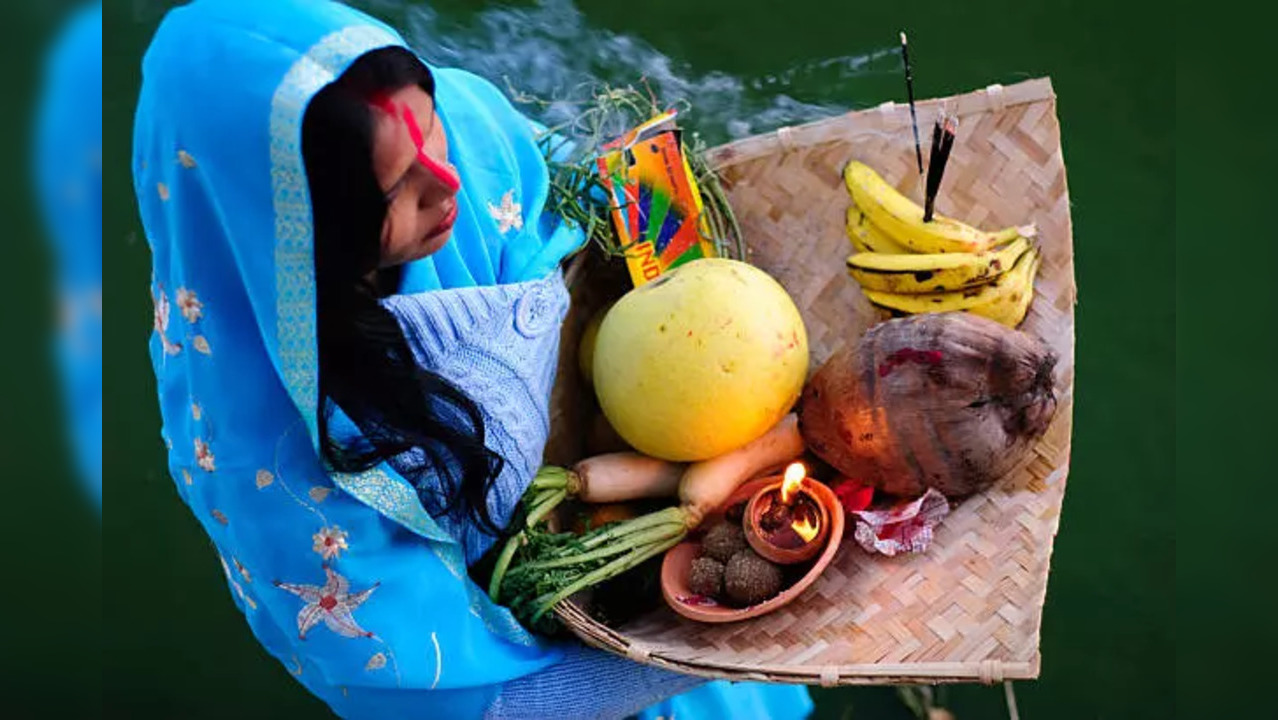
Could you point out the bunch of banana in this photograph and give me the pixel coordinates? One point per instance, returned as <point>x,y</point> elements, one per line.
<point>907,266</point>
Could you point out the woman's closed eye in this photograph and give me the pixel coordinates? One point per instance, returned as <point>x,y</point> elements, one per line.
<point>423,165</point>
<point>397,187</point>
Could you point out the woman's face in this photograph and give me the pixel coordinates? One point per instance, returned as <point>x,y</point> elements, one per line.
<point>421,192</point>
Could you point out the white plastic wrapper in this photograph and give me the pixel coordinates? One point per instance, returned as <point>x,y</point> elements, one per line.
<point>903,528</point>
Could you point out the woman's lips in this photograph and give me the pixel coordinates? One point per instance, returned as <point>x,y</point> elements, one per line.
<point>450,218</point>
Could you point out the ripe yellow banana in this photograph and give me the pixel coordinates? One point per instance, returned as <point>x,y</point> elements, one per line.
<point>1011,308</point>
<point>933,273</point>
<point>1011,283</point>
<point>868,239</point>
<point>901,219</point>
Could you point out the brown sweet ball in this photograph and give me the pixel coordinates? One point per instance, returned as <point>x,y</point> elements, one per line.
<point>723,540</point>
<point>706,577</point>
<point>749,579</point>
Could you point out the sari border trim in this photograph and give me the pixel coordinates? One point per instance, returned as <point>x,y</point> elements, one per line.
<point>294,234</point>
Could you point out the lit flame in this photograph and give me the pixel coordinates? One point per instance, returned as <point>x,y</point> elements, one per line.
<point>793,479</point>
<point>805,529</point>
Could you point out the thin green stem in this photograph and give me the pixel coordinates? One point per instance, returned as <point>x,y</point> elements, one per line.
<point>606,114</point>
<point>541,510</point>
<point>542,505</point>
<point>503,562</point>
<point>669,515</point>
<point>616,567</point>
<point>551,477</point>
<point>638,539</point>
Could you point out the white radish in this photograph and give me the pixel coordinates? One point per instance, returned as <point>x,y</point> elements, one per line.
<point>707,484</point>
<point>617,477</point>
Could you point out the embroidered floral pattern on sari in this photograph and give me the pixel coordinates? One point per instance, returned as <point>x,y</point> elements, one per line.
<point>330,542</point>
<point>189,304</point>
<point>161,312</point>
<point>264,478</point>
<point>509,214</point>
<point>248,577</point>
<point>204,456</point>
<point>161,321</point>
<point>332,604</point>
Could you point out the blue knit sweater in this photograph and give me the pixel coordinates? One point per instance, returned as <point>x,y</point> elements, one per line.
<point>499,344</point>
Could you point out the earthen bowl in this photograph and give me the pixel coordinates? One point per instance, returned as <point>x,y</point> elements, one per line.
<point>678,561</point>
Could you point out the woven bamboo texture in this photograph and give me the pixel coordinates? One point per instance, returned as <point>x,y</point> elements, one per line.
<point>969,608</point>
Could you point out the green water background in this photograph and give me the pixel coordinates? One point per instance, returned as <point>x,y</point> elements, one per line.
<point>174,644</point>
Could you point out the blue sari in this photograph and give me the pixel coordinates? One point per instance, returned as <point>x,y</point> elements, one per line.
<point>343,578</point>
<point>68,175</point>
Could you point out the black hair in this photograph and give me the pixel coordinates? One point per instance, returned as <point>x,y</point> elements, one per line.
<point>365,365</point>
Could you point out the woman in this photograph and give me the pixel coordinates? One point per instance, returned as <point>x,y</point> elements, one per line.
<point>356,302</point>
<point>68,182</point>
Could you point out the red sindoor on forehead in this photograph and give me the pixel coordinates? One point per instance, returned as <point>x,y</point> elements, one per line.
<point>405,113</point>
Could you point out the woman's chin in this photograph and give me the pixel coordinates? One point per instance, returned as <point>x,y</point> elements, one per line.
<point>432,245</point>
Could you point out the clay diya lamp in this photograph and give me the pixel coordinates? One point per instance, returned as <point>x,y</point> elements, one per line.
<point>787,521</point>
<point>675,568</point>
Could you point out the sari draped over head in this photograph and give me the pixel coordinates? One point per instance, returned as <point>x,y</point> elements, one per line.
<point>345,579</point>
<point>68,182</point>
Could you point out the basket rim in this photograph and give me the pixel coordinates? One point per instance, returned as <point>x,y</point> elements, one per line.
<point>992,97</point>
<point>830,675</point>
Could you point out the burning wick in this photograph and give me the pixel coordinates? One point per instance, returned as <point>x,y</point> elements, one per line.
<point>805,529</point>
<point>793,481</point>
<point>794,511</point>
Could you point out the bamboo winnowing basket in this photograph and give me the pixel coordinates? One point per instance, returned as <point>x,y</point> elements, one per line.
<point>970,607</point>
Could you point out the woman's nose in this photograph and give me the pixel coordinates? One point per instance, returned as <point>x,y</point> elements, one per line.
<point>444,172</point>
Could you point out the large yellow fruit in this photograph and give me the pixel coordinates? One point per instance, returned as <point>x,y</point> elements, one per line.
<point>586,349</point>
<point>700,361</point>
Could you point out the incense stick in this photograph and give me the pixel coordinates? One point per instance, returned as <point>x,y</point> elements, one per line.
<point>909,90</point>
<point>942,142</point>
<point>936,139</point>
<point>931,165</point>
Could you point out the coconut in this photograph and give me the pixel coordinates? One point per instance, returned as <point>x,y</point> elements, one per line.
<point>749,579</point>
<point>950,401</point>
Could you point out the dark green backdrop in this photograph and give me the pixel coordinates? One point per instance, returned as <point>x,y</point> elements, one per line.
<point>174,643</point>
